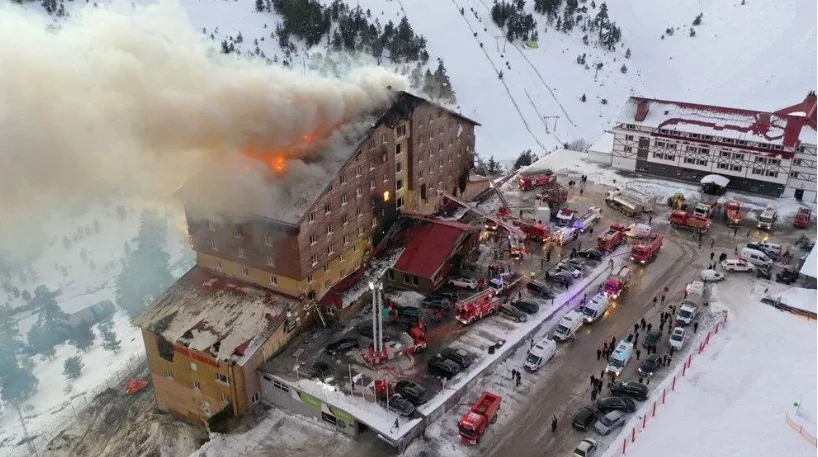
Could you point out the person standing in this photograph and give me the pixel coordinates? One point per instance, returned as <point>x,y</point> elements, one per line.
<point>712,255</point>
<point>643,323</point>
<point>636,328</point>
<point>593,381</point>
<point>593,394</point>
<point>638,353</point>
<point>598,354</point>
<point>553,424</point>
<point>662,301</point>
<point>695,327</point>
<point>712,242</point>
<point>655,299</point>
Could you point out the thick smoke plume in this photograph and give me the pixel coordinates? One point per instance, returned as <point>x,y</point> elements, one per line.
<point>133,100</point>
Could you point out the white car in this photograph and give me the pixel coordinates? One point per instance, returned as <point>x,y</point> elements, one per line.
<point>737,265</point>
<point>711,276</point>
<point>466,283</point>
<point>770,247</point>
<point>677,338</point>
<point>585,448</point>
<point>567,267</point>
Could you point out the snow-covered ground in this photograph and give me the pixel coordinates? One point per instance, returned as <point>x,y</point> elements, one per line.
<point>736,397</point>
<point>84,273</point>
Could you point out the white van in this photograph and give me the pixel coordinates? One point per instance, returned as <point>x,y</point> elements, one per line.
<point>568,326</point>
<point>595,308</point>
<point>541,353</point>
<point>686,313</point>
<point>756,257</point>
<point>619,358</point>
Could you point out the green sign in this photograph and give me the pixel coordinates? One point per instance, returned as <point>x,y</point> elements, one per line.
<point>310,400</point>
<point>342,415</point>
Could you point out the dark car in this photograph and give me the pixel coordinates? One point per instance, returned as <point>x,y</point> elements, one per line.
<point>400,405</point>
<point>437,304</point>
<point>462,358</point>
<point>365,329</point>
<point>412,391</point>
<point>591,254</point>
<point>540,288</point>
<point>652,338</point>
<point>764,273</point>
<point>322,371</point>
<point>445,297</point>
<point>512,313</point>
<point>527,306</point>
<point>584,418</point>
<point>608,404</point>
<point>787,276</point>
<point>559,277</point>
<point>342,345</point>
<point>631,389</point>
<point>443,368</point>
<point>650,365</point>
<point>409,312</point>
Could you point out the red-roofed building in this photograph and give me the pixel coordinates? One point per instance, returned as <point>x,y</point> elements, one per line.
<point>432,246</point>
<point>770,153</point>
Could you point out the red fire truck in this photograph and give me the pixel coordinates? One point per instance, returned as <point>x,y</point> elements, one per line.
<point>684,220</point>
<point>409,342</point>
<point>611,239</point>
<point>732,214</point>
<point>475,423</point>
<point>538,179</point>
<point>802,218</point>
<point>647,250</point>
<point>534,231</point>
<point>476,307</point>
<point>705,209</point>
<point>617,281</point>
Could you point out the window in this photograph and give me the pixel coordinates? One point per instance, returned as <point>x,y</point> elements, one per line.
<point>341,257</point>
<point>758,171</point>
<point>213,245</point>
<point>422,155</point>
<point>268,240</point>
<point>225,398</point>
<point>313,239</point>
<point>794,174</point>
<point>372,164</point>
<point>311,217</point>
<point>311,278</point>
<point>326,268</point>
<point>738,156</point>
<point>420,174</point>
<point>346,219</point>
<point>344,199</point>
<point>796,161</point>
<point>270,261</point>
<point>431,134</point>
<point>314,260</point>
<point>398,167</point>
<point>218,264</point>
<point>209,226</point>
<point>281,386</point>
<point>330,249</point>
<point>735,168</point>
<point>385,178</point>
<point>346,239</point>
<point>255,398</point>
<point>361,230</point>
<point>384,158</point>
<point>702,161</point>
<point>327,208</point>
<point>629,137</point>
<point>690,160</point>
<point>245,271</point>
<point>440,147</point>
<point>374,222</point>
<point>196,385</point>
<point>398,149</point>
<point>400,184</point>
<point>383,138</point>
<point>772,174</point>
<point>722,166</point>
<point>343,178</point>
<point>329,229</point>
<point>241,253</point>
<point>628,149</point>
<point>386,196</point>
<point>371,184</point>
<point>400,202</point>
<point>274,280</point>
<point>169,374</point>
<point>238,232</point>
<point>193,367</point>
<point>359,192</point>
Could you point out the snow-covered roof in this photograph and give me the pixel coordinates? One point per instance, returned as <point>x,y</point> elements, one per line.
<point>603,144</point>
<point>718,180</point>
<point>808,135</point>
<point>809,268</point>
<point>738,124</point>
<point>226,318</point>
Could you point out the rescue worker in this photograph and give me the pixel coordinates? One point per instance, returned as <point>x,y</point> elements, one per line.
<point>553,424</point>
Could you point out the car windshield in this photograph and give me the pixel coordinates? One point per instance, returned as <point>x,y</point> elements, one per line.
<point>532,359</point>
<point>588,311</point>
<point>606,421</point>
<point>579,452</point>
<point>684,313</point>
<point>765,219</point>
<point>562,330</point>
<point>676,336</point>
<point>616,363</point>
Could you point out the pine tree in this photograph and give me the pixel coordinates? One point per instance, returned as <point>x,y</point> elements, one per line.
<point>259,5</point>
<point>623,68</point>
<point>628,53</point>
<point>698,19</point>
<point>72,368</point>
<point>692,32</point>
<point>17,386</point>
<point>51,327</point>
<point>524,159</point>
<point>583,98</point>
<point>82,337</point>
<point>109,340</point>
<point>446,92</point>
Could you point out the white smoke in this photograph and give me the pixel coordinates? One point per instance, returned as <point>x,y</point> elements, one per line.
<point>133,100</point>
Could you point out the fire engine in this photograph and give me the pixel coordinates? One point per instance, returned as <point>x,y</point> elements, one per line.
<point>802,218</point>
<point>537,179</point>
<point>590,218</point>
<point>566,217</point>
<point>705,209</point>
<point>409,342</point>
<point>477,306</point>
<point>647,250</point>
<point>611,239</point>
<point>534,230</point>
<point>617,281</point>
<point>483,412</point>
<point>732,214</point>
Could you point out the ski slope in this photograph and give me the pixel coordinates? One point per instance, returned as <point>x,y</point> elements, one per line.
<point>735,399</point>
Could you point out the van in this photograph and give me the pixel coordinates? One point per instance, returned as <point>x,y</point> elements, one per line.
<point>772,250</point>
<point>595,308</point>
<point>756,257</point>
<point>619,358</point>
<point>541,353</point>
<point>568,326</point>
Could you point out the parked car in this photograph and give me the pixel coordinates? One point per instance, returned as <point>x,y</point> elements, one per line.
<point>584,418</point>
<point>465,283</point>
<point>342,345</point>
<point>559,277</point>
<point>652,338</point>
<point>737,265</point>
<point>322,371</point>
<point>400,405</point>
<point>650,365</point>
<point>540,288</point>
<point>444,297</point>
<point>579,264</point>
<point>585,448</point>
<point>409,312</point>
<point>609,422</point>
<point>462,358</point>
<point>764,273</point>
<point>608,404</point>
<point>772,250</point>
<point>437,304</point>
<point>512,313</point>
<point>787,276</point>
<point>711,276</point>
<point>631,389</point>
<point>565,266</point>
<point>591,254</point>
<point>527,306</point>
<point>442,367</point>
<point>686,314</point>
<point>412,391</point>
<point>677,338</point>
